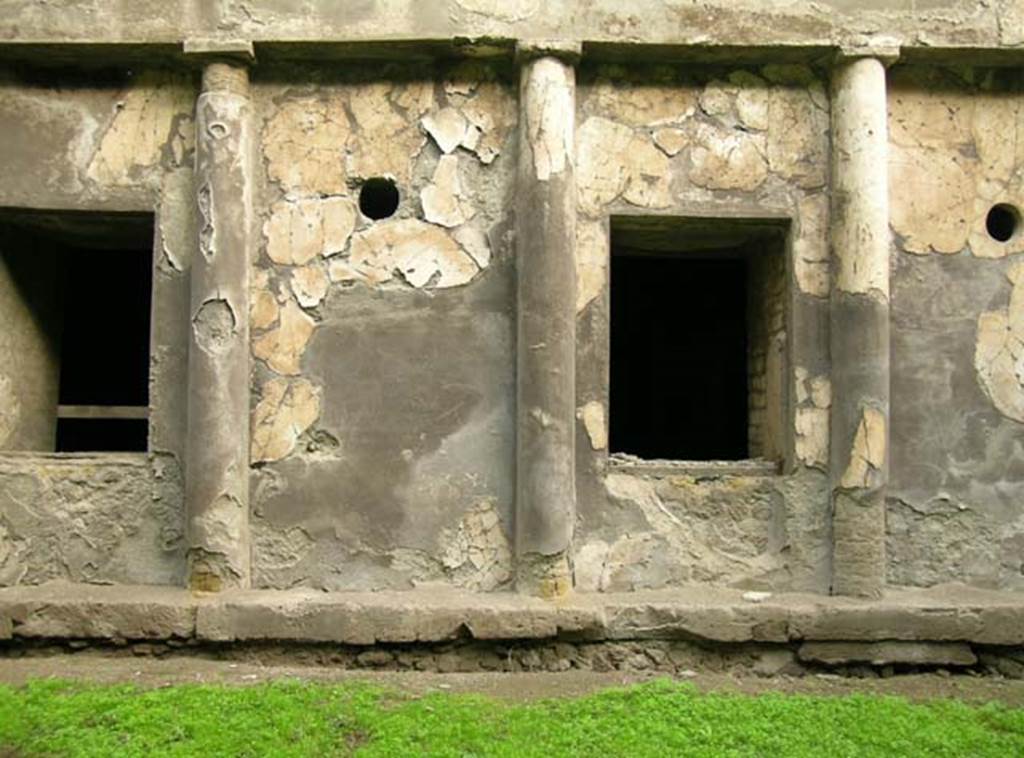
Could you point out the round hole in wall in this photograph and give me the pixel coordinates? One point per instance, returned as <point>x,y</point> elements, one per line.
<point>378,198</point>
<point>1002,222</point>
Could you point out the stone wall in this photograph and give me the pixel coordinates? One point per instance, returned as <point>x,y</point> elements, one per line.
<point>384,357</point>
<point>112,141</point>
<point>954,507</point>
<point>382,423</point>
<point>726,143</point>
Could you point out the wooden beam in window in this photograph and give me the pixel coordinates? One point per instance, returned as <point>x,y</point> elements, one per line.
<point>103,411</point>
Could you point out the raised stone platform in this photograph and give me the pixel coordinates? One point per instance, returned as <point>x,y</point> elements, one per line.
<point>950,613</point>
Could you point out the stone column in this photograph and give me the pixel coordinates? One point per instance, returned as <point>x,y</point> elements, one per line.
<point>546,380</point>
<point>217,448</point>
<point>859,324</point>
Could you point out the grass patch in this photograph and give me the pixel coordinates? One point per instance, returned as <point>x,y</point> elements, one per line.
<point>658,718</point>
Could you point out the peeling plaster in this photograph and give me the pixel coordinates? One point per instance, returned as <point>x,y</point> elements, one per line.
<point>282,348</point>
<point>214,326</point>
<point>810,246</point>
<point>447,127</point>
<point>593,417</point>
<point>727,160</point>
<point>550,115</point>
<point>143,122</point>
<point>812,418</point>
<point>177,219</point>
<point>310,284</point>
<point>113,520</point>
<point>867,456</point>
<point>287,408</point>
<point>956,148</point>
<point>304,144</point>
<point>999,352</point>
<point>444,201</point>
<point>477,553</point>
<point>591,262</point>
<point>299,231</point>
<point>421,253</point>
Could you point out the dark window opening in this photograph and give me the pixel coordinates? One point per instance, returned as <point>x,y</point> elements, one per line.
<point>1002,221</point>
<point>90,361</point>
<point>101,435</point>
<point>679,373</point>
<point>104,356</point>
<point>378,198</point>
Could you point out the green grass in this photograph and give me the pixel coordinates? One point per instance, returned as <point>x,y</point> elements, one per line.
<point>657,719</point>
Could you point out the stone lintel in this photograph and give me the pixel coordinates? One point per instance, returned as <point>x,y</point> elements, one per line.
<point>568,51</point>
<point>208,50</point>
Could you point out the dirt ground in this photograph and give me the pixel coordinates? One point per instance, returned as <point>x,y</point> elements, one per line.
<point>100,667</point>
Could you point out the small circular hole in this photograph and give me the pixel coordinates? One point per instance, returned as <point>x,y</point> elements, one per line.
<point>378,198</point>
<point>1002,222</point>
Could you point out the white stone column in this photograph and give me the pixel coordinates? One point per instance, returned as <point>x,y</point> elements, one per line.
<point>546,382</point>
<point>217,453</point>
<point>859,322</point>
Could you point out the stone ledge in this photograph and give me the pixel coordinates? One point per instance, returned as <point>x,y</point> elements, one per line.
<point>943,614</point>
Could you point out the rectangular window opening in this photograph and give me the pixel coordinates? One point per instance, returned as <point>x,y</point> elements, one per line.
<point>697,341</point>
<point>79,292</point>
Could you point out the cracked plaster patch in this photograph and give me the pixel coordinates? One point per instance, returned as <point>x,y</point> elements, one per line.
<point>810,246</point>
<point>282,348</point>
<point>638,103</point>
<point>387,141</point>
<point>474,242</point>
<point>298,231</point>
<point>444,200</point>
<point>264,305</point>
<point>310,284</point>
<point>955,150</point>
<point>797,129</point>
<point>867,456</point>
<point>593,417</point>
<point>447,127</point>
<point>422,254</point>
<point>143,123</point>
<point>727,160</point>
<point>591,262</point>
<point>550,116</point>
<point>477,553</point>
<point>487,105</point>
<point>612,160</point>
<point>999,351</point>
<point>304,144</point>
<point>814,401</point>
<point>287,408</point>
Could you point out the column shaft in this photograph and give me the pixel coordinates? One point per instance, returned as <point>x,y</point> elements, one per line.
<point>859,323</point>
<point>546,246</point>
<point>217,464</point>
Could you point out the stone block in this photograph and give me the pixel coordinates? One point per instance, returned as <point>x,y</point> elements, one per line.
<point>888,652</point>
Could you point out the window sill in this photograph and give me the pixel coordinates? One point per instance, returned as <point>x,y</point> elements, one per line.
<point>630,464</point>
<point>99,456</point>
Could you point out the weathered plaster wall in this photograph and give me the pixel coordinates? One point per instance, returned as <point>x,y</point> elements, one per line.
<point>667,140</point>
<point>955,510</point>
<point>103,519</point>
<point>383,435</point>
<point>103,140</point>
